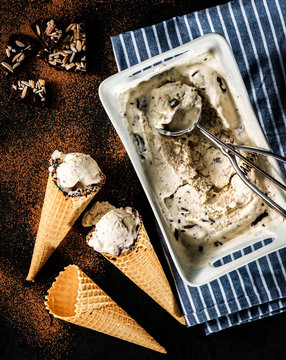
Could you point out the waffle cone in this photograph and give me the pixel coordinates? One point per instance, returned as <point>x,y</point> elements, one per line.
<point>142,266</point>
<point>59,213</point>
<point>75,298</point>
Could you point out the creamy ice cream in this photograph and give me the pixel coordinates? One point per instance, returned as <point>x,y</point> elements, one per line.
<point>173,106</point>
<point>75,173</point>
<point>203,199</point>
<point>115,230</point>
<point>94,214</point>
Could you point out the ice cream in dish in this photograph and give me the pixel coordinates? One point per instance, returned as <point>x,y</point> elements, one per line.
<point>200,194</point>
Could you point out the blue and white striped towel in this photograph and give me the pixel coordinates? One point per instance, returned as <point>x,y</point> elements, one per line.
<point>256,31</point>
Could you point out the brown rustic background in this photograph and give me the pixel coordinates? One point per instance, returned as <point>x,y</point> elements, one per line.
<point>76,121</point>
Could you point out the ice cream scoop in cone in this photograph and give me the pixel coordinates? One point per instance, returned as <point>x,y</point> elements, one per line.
<point>75,298</point>
<point>142,266</point>
<point>59,213</point>
<point>139,262</point>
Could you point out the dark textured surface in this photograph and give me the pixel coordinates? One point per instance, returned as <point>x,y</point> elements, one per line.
<point>76,121</point>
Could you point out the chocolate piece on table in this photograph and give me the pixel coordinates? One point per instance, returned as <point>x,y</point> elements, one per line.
<point>48,32</point>
<point>30,92</point>
<point>18,48</point>
<point>70,53</point>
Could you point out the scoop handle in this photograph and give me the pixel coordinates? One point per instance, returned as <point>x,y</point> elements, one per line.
<point>230,151</point>
<point>261,152</point>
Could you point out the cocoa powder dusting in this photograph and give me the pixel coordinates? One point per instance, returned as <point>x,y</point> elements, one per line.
<point>73,122</point>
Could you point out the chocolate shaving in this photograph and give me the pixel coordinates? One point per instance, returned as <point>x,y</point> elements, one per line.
<point>141,104</point>
<point>259,218</point>
<point>189,226</point>
<point>217,243</point>
<point>208,220</point>
<point>176,234</point>
<point>140,145</point>
<point>221,84</point>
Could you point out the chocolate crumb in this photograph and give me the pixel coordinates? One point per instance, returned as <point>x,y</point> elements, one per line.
<point>201,248</point>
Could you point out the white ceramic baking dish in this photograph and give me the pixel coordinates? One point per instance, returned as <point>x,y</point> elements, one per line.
<point>114,85</point>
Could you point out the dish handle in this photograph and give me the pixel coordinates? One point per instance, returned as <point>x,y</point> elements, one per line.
<point>211,272</point>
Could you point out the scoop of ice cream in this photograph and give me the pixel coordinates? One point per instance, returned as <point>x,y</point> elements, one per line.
<point>205,77</point>
<point>75,172</point>
<point>116,231</point>
<point>174,106</point>
<point>96,212</point>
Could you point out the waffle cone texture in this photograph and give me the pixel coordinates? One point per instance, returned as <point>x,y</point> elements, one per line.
<point>142,266</point>
<point>59,213</point>
<point>75,298</point>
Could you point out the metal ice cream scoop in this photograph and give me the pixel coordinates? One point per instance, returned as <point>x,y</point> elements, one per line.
<point>231,152</point>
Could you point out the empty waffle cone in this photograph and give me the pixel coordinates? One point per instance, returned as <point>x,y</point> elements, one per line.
<point>142,266</point>
<point>75,298</point>
<point>59,213</point>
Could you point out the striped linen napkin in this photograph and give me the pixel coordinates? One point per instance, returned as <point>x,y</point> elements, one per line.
<point>256,31</point>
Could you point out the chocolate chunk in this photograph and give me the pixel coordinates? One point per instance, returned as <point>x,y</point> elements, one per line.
<point>189,226</point>
<point>259,218</point>
<point>19,48</point>
<point>48,32</point>
<point>140,145</point>
<point>141,103</point>
<point>174,102</point>
<point>221,84</point>
<point>191,144</point>
<point>201,248</point>
<point>217,243</point>
<point>218,160</point>
<point>211,221</point>
<point>30,92</point>
<point>176,234</point>
<point>70,52</point>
